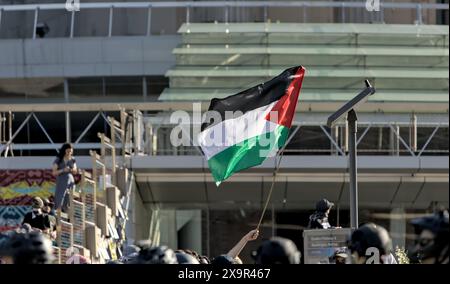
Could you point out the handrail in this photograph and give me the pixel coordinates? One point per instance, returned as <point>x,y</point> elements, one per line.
<point>114,122</point>
<point>223,4</point>
<point>106,141</point>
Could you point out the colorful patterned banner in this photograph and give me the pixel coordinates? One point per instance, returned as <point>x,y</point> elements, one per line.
<point>17,189</point>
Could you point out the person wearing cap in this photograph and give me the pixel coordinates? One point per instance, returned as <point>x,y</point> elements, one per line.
<point>36,218</point>
<point>339,257</point>
<point>432,245</point>
<point>371,244</point>
<point>319,219</point>
<point>277,250</point>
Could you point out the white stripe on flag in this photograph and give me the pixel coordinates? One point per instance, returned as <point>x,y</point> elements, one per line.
<point>230,132</point>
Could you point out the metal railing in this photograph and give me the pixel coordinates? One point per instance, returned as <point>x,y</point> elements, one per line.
<point>135,134</point>
<point>225,5</point>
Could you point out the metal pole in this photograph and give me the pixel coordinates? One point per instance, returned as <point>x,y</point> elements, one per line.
<point>36,14</point>
<point>413,133</point>
<point>334,133</point>
<point>149,20</point>
<point>67,114</point>
<point>110,21</point>
<point>1,11</point>
<point>397,140</point>
<point>419,14</point>
<point>380,138</point>
<point>10,125</point>
<point>144,88</point>
<point>68,138</point>
<point>345,134</point>
<point>226,15</point>
<point>72,22</point>
<point>353,129</point>
<point>187,14</point>
<point>1,127</point>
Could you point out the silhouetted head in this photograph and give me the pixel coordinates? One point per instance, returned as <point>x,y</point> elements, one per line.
<point>278,251</point>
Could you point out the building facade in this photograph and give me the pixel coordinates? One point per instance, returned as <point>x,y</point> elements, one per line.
<point>62,73</point>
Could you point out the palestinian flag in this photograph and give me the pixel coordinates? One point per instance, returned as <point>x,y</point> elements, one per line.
<point>242,130</point>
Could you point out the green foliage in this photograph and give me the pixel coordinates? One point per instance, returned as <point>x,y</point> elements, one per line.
<point>402,256</point>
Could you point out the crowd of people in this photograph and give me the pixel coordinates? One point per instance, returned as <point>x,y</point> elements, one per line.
<point>31,243</point>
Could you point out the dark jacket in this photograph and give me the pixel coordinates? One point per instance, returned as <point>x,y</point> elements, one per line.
<point>40,221</point>
<point>319,220</point>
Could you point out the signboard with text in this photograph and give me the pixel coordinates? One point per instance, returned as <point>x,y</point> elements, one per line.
<point>320,245</point>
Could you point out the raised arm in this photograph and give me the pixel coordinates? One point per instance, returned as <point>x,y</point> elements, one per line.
<point>236,250</point>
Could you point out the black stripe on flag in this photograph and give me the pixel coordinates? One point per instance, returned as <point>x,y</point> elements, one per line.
<point>253,98</point>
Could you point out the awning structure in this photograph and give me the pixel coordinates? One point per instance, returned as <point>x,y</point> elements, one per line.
<point>384,182</point>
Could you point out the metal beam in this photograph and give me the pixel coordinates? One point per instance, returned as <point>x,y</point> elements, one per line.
<point>317,107</point>
<point>88,127</point>
<point>428,141</point>
<point>401,139</point>
<point>332,140</point>
<point>15,134</point>
<point>290,138</point>
<point>43,129</point>
<point>363,134</point>
<point>50,146</point>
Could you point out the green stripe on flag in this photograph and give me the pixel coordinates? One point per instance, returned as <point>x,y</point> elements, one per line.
<point>249,153</point>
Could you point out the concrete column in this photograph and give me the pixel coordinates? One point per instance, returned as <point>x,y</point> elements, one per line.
<point>168,228</point>
<point>189,229</point>
<point>139,221</point>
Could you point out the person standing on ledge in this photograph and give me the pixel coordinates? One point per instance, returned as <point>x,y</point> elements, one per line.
<point>64,167</point>
<point>319,219</point>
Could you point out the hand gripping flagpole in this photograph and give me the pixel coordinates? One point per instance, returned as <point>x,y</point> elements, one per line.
<point>271,188</point>
<point>275,172</point>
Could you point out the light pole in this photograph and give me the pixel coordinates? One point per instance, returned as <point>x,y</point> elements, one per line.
<point>348,111</point>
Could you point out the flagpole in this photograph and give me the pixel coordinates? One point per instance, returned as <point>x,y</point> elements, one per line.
<point>274,175</point>
<point>271,189</point>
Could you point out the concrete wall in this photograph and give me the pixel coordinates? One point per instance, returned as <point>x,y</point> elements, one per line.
<point>101,56</point>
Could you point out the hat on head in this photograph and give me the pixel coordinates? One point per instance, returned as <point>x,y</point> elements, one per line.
<point>37,202</point>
